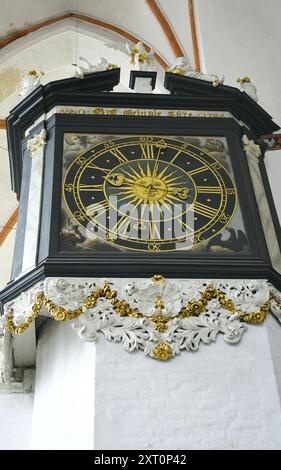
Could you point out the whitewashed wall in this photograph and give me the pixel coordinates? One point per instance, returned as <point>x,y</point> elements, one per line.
<point>15,420</point>
<point>99,396</point>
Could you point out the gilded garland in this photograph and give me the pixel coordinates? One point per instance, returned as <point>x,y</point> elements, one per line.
<point>161,323</point>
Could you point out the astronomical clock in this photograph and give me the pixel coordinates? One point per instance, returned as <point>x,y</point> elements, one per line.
<point>138,186</point>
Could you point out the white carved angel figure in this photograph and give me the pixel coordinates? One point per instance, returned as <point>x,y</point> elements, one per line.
<point>183,66</point>
<point>101,66</point>
<point>29,82</point>
<point>142,57</point>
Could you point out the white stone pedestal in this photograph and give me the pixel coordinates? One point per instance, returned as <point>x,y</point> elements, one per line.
<point>98,396</point>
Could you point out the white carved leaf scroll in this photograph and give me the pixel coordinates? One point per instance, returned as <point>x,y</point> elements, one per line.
<point>136,333</point>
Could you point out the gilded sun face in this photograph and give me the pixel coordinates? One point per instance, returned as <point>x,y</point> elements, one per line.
<point>149,183</point>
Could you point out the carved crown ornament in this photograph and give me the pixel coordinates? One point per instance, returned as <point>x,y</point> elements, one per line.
<point>161,317</point>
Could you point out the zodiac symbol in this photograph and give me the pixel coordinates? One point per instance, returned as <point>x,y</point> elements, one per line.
<point>80,161</point>
<point>230,191</point>
<point>78,215</point>
<point>161,144</point>
<point>224,218</point>
<point>68,187</point>
<point>216,166</point>
<point>111,237</point>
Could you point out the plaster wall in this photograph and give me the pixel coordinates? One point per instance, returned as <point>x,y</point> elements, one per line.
<point>99,396</point>
<point>63,415</point>
<point>15,420</point>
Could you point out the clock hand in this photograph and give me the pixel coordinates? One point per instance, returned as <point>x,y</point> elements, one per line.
<point>181,192</point>
<point>156,163</point>
<point>116,179</point>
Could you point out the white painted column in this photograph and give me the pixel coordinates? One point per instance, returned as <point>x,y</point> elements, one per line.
<point>36,147</point>
<point>253,155</point>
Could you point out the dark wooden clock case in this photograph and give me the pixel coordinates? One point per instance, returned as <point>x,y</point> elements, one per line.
<point>94,90</point>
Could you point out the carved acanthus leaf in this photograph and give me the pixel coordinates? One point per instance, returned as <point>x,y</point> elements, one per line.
<point>160,318</point>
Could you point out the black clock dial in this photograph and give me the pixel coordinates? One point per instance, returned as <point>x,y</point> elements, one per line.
<point>149,193</point>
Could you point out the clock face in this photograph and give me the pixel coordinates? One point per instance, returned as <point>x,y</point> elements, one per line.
<point>146,193</point>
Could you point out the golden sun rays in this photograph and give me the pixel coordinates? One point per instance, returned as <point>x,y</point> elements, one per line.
<point>143,183</point>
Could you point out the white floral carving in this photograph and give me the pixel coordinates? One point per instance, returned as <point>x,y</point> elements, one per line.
<point>37,143</point>
<point>139,334</point>
<point>21,306</point>
<point>141,294</point>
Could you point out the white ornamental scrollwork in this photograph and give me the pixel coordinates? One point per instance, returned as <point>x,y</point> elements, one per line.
<point>138,334</point>
<point>146,314</point>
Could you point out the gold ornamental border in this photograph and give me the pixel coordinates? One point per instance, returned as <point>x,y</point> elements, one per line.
<point>121,307</point>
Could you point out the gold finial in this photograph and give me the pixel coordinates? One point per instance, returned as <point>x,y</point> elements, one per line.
<point>35,73</point>
<point>162,352</point>
<point>243,80</point>
<point>157,279</point>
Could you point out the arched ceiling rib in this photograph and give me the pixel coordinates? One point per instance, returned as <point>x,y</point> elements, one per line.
<point>30,29</point>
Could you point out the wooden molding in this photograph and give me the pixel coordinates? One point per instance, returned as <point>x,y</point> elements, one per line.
<point>194,35</point>
<point>8,226</point>
<point>2,124</point>
<point>88,19</point>
<point>167,29</point>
